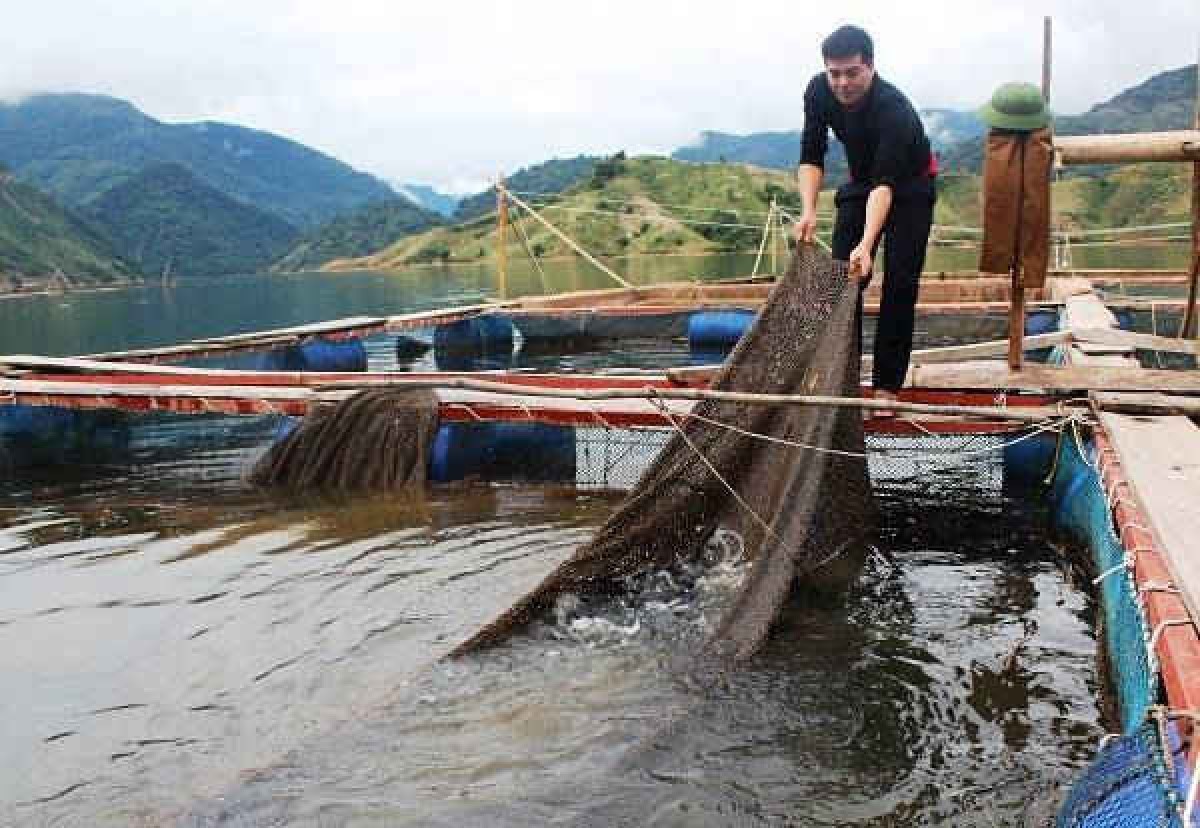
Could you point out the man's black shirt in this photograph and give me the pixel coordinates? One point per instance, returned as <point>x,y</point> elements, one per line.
<point>884,138</point>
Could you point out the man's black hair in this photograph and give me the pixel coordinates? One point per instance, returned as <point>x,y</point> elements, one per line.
<point>849,41</point>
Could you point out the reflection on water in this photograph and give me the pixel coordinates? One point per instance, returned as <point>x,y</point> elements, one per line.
<point>184,649</point>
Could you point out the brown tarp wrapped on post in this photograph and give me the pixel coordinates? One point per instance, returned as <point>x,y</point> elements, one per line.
<point>791,479</point>
<point>1016,205</point>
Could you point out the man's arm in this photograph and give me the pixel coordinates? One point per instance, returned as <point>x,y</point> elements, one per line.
<point>810,177</point>
<point>879,203</point>
<point>814,141</point>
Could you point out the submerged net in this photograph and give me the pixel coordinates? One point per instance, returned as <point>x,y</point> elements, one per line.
<point>800,499</point>
<point>374,440</point>
<point>1128,784</point>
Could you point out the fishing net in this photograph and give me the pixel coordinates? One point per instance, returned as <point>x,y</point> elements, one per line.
<point>800,498</point>
<point>376,439</point>
<point>1082,510</point>
<point>1129,783</point>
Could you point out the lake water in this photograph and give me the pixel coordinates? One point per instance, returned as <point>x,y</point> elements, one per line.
<point>179,648</point>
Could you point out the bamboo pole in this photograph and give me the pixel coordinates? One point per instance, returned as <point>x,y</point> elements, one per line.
<point>1177,146</point>
<point>501,238</point>
<point>1033,415</point>
<point>567,240</point>
<point>1188,328</point>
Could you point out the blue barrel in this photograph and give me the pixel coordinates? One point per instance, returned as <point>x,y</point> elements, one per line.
<point>503,451</point>
<point>481,343</point>
<point>718,330</point>
<point>315,355</point>
<point>1041,321</point>
<point>35,435</point>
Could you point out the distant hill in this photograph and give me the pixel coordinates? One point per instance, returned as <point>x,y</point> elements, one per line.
<point>40,240</point>
<point>76,147</point>
<point>1165,101</point>
<point>625,207</point>
<point>359,233</point>
<point>771,150</point>
<point>549,177</point>
<point>781,150</point>
<point>430,199</point>
<point>166,219</point>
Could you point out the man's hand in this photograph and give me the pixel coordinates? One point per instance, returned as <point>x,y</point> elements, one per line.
<point>860,263</point>
<point>806,228</point>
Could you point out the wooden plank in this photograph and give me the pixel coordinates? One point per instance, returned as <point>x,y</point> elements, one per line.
<point>1177,145</point>
<point>1161,459</point>
<point>310,329</point>
<point>1051,379</point>
<point>1152,403</point>
<point>977,350</point>
<point>1138,341</point>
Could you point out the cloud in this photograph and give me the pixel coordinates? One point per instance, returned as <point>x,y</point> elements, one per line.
<point>455,92</point>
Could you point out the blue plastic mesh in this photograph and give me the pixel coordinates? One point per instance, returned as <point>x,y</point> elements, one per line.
<point>1128,784</point>
<point>1082,510</point>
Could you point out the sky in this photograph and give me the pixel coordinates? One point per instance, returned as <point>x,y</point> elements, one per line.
<point>453,92</point>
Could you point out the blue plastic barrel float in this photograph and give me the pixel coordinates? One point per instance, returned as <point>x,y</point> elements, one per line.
<point>718,330</point>
<point>318,354</point>
<point>37,435</point>
<point>502,452</point>
<point>480,343</point>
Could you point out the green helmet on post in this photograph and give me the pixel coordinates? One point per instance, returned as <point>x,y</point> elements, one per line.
<point>1016,106</point>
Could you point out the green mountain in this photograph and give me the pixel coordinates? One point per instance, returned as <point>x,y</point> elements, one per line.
<point>546,178</point>
<point>41,243</point>
<point>165,219</point>
<point>781,150</point>
<point>628,206</point>
<point>359,233</point>
<point>1165,101</point>
<point>76,147</point>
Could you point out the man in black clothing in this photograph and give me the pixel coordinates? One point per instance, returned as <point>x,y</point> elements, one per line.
<point>890,193</point>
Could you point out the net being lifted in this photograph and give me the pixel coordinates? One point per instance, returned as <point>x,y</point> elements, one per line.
<point>801,509</point>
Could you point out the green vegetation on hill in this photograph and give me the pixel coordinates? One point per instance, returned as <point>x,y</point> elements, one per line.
<point>76,147</point>
<point>166,220</point>
<point>652,206</point>
<point>41,243</point>
<point>546,178</point>
<point>360,233</point>
<point>627,207</point>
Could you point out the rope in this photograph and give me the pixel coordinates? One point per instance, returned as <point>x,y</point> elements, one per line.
<point>532,256</point>
<point>665,410</point>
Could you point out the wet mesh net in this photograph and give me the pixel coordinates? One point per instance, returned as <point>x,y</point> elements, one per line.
<point>376,439</point>
<point>1127,784</point>
<point>1083,511</point>
<point>800,505</point>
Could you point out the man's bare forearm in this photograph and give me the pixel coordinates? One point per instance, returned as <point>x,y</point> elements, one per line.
<point>879,204</point>
<point>810,177</point>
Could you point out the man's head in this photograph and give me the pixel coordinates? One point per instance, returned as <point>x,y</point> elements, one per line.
<point>849,64</point>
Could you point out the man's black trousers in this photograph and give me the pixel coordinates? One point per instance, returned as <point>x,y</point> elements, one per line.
<point>905,235</point>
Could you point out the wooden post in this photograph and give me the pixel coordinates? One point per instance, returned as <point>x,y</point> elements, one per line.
<point>1188,328</point>
<point>501,239</point>
<point>1016,316</point>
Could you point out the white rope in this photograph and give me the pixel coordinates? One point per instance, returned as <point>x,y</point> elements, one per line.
<point>1162,626</point>
<point>666,412</point>
<point>1048,425</point>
